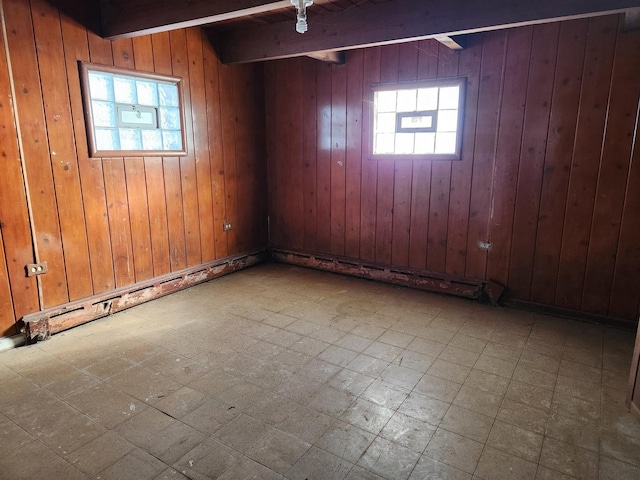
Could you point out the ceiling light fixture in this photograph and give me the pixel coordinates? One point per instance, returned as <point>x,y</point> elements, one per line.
<point>301,18</point>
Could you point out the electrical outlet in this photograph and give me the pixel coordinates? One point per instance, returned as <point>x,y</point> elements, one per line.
<point>33,269</point>
<point>227,226</point>
<point>484,245</point>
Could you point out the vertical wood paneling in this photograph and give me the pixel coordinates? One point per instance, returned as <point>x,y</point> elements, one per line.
<point>596,77</point>
<point>338,157</point>
<point>33,133</point>
<point>107,223</point>
<point>309,153</point>
<point>613,174</point>
<point>293,187</point>
<point>534,141</point>
<point>389,62</point>
<point>539,163</point>
<point>491,77</point>
<point>14,217</point>
<point>555,176</point>
<point>7,315</point>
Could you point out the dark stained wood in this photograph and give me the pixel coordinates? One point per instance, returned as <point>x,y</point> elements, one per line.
<point>323,157</point>
<point>534,142</point>
<point>369,179</point>
<point>354,157</point>
<point>7,315</point>
<point>401,20</point>
<point>138,17</point>
<point>600,47</point>
<point>338,157</point>
<point>622,124</point>
<point>309,153</point>
<point>490,91</point>
<point>461,172</point>
<point>508,148</point>
<point>557,166</point>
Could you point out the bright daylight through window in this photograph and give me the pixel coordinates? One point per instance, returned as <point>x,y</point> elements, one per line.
<point>131,113</point>
<point>418,120</point>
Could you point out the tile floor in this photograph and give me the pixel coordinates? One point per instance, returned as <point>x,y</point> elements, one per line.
<point>282,372</point>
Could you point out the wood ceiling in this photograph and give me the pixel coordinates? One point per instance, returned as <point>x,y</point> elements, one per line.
<point>255,30</point>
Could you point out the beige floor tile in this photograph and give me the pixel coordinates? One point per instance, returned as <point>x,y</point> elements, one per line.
<point>136,465</point>
<point>545,473</point>
<point>170,474</point>
<point>467,423</point>
<point>611,469</point>
<point>12,437</point>
<point>535,377</point>
<point>414,360</point>
<point>247,469</point>
<point>436,387</point>
<point>242,433</point>
<point>20,464</point>
<point>449,371</point>
<point>307,424</point>
<point>383,351</point>
<point>317,464</point>
<point>478,401</point>
<point>408,432</point>
<point>424,408</point>
<point>455,450</point>
<point>370,332</point>
<point>504,352</point>
<point>428,468</point>
<point>574,431</point>
<point>331,401</point>
<point>318,370</point>
<point>487,382</point>
<point>352,382</point>
<point>207,460</point>
<point>521,415</point>
<point>570,460</point>
<point>346,441</point>
<point>591,392</point>
<point>575,407</point>
<point>278,450</point>
<point>309,346</point>
<point>385,394</point>
<point>395,338</point>
<point>271,408</point>
<point>100,453</point>
<point>516,441</point>
<point>389,459</point>
<point>338,355</point>
<point>467,342</point>
<point>540,361</point>
<point>211,416</point>
<point>143,384</point>
<point>497,465</point>
<point>496,366</point>
<point>426,347</point>
<point>459,356</point>
<point>368,365</point>
<point>620,447</point>
<point>400,376</point>
<point>242,395</point>
<point>367,415</point>
<point>359,473</point>
<point>529,395</point>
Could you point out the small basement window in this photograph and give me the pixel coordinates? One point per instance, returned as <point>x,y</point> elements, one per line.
<point>418,120</point>
<point>130,113</point>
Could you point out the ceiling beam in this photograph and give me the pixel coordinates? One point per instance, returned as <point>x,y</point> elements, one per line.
<point>130,18</point>
<point>401,20</point>
<point>334,57</point>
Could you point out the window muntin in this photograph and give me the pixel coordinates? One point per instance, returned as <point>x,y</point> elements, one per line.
<point>132,113</point>
<point>418,120</point>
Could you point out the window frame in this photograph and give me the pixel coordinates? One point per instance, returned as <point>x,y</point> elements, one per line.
<point>460,81</point>
<point>94,152</point>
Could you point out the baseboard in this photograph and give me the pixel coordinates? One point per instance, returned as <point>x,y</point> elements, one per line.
<point>41,325</point>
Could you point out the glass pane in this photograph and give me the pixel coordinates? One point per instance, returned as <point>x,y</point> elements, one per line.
<point>104,113</point>
<point>171,140</point>
<point>445,143</point>
<point>130,139</point>
<point>125,90</point>
<point>169,118</point>
<point>384,143</point>
<point>404,142</point>
<point>447,120</point>
<point>107,139</point>
<point>425,142</point>
<point>151,139</point>
<point>386,123</point>
<point>427,99</point>
<point>417,121</point>
<point>101,86</point>
<point>449,97</point>
<point>407,100</point>
<point>147,93</point>
<point>168,95</point>
<point>385,101</point>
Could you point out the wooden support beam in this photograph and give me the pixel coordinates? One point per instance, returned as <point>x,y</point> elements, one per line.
<point>454,43</point>
<point>129,18</point>
<point>399,21</point>
<point>330,57</point>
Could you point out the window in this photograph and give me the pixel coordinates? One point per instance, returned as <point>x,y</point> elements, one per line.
<point>132,114</point>
<point>418,120</point>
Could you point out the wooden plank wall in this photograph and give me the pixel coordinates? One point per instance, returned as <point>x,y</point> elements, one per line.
<point>105,224</point>
<point>549,174</point>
